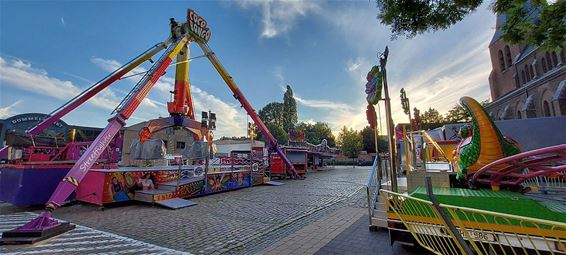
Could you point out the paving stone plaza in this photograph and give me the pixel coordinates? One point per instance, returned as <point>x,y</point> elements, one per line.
<point>324,214</point>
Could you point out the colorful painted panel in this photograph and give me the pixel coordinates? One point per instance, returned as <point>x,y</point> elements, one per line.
<point>120,186</point>
<point>227,181</point>
<point>192,189</point>
<point>258,179</point>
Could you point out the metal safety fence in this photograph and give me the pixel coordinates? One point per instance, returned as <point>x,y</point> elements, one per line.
<point>378,173</point>
<point>473,231</point>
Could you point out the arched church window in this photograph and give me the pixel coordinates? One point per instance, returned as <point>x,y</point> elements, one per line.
<point>508,55</point>
<point>501,60</point>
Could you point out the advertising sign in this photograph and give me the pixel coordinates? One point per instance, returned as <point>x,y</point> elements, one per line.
<point>373,85</point>
<point>198,26</point>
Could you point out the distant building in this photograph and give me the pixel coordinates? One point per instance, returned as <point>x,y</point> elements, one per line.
<point>526,81</point>
<point>13,131</point>
<point>226,146</point>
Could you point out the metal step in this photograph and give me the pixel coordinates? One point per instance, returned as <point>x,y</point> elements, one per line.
<point>379,214</point>
<point>381,205</point>
<point>378,222</point>
<point>176,203</point>
<point>172,186</point>
<point>147,195</point>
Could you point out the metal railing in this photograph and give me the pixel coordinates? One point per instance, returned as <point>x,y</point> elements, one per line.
<point>412,157</point>
<point>484,232</point>
<point>374,183</point>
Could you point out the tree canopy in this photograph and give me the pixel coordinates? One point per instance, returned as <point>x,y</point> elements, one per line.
<point>280,117</point>
<point>280,135</point>
<point>432,119</point>
<point>368,141</point>
<point>350,141</point>
<point>314,133</point>
<point>272,113</point>
<point>412,17</point>
<point>457,114</point>
<point>289,109</point>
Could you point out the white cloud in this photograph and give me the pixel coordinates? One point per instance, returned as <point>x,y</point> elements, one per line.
<point>8,111</point>
<point>436,69</point>
<point>21,75</point>
<point>111,65</point>
<point>279,16</point>
<point>63,21</point>
<point>354,65</point>
<point>323,104</point>
<point>231,120</point>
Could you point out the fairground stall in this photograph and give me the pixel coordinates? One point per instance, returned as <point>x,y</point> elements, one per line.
<point>97,179</point>
<point>298,158</point>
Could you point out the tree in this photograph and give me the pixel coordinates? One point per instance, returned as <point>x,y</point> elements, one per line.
<point>314,133</point>
<point>431,119</point>
<point>457,114</point>
<point>272,113</point>
<point>368,141</point>
<point>289,109</point>
<point>350,141</point>
<point>431,116</point>
<point>410,18</point>
<point>280,135</point>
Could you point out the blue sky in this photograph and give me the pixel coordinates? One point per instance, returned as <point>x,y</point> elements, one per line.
<point>52,50</point>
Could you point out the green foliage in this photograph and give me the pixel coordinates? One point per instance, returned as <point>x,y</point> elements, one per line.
<point>547,30</point>
<point>350,141</point>
<point>280,135</point>
<point>289,109</point>
<point>432,119</point>
<point>457,114</point>
<point>272,113</point>
<point>431,116</point>
<point>368,141</point>
<point>314,133</point>
<point>410,18</point>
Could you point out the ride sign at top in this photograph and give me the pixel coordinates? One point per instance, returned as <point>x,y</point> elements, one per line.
<point>198,26</point>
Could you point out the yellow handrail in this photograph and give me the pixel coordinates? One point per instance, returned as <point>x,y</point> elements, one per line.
<point>487,232</point>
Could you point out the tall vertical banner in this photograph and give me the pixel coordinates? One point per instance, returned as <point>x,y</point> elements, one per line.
<point>374,85</point>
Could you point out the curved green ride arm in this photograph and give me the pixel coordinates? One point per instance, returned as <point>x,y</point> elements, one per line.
<point>486,143</point>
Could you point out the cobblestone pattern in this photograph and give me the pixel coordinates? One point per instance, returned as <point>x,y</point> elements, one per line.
<point>236,222</point>
<point>81,240</point>
<point>316,235</point>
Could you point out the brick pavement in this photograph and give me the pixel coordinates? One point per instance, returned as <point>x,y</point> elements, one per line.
<point>357,239</point>
<point>245,221</point>
<point>81,240</point>
<point>316,235</point>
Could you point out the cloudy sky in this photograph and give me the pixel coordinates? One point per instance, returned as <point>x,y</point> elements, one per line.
<point>52,50</point>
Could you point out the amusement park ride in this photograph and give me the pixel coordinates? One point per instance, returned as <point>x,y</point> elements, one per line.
<point>493,199</point>
<point>181,110</point>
